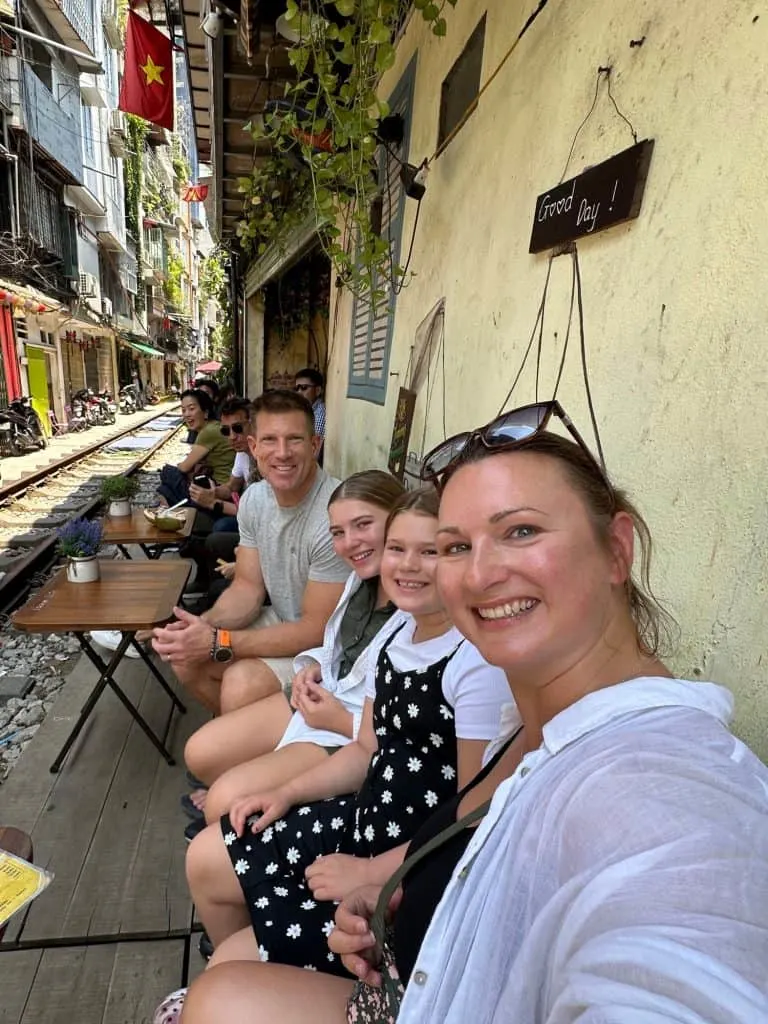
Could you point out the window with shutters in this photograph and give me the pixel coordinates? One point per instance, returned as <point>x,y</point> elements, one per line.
<point>372,323</point>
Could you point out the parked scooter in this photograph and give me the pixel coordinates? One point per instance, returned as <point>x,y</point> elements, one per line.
<point>127,399</point>
<point>106,407</point>
<point>16,436</point>
<point>22,406</point>
<point>90,405</point>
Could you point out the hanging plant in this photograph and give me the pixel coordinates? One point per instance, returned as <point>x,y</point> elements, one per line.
<point>331,120</point>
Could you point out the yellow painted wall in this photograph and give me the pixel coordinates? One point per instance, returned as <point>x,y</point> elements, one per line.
<point>676,303</point>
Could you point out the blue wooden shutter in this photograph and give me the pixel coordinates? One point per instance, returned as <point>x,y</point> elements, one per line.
<point>372,325</point>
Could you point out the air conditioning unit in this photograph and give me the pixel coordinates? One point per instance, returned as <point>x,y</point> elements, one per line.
<point>117,123</point>
<point>106,306</point>
<point>88,286</point>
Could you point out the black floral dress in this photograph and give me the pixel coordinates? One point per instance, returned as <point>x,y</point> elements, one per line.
<point>412,772</point>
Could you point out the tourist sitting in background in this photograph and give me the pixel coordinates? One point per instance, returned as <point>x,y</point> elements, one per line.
<point>310,383</point>
<point>211,457</point>
<point>221,501</point>
<point>261,744</point>
<point>285,550</point>
<point>621,872</point>
<point>211,388</point>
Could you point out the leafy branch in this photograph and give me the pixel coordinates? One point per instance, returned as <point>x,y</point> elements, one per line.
<point>330,119</point>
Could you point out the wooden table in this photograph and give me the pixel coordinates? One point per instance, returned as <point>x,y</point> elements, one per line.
<point>129,596</point>
<point>137,529</point>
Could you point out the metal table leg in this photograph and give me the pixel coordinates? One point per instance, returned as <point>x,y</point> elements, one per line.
<point>106,679</point>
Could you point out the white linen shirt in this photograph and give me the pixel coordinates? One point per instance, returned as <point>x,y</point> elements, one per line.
<point>619,877</point>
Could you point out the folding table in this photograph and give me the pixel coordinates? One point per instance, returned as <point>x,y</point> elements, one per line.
<point>130,596</point>
<point>137,529</point>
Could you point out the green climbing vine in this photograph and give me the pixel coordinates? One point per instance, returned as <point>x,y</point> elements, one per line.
<point>133,173</point>
<point>174,268</point>
<point>213,278</point>
<point>182,171</point>
<point>330,120</point>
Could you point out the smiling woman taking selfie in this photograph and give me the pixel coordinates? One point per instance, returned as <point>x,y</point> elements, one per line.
<point>620,873</point>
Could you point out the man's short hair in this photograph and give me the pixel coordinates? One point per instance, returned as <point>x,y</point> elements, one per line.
<point>280,400</point>
<point>210,384</point>
<point>235,405</point>
<point>312,375</point>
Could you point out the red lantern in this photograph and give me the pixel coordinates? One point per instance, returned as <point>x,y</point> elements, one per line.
<point>195,194</point>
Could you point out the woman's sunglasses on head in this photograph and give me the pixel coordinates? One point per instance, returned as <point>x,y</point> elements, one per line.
<point>505,433</point>
<point>236,428</point>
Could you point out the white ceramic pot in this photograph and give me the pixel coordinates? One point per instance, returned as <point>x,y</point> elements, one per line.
<point>83,570</point>
<point>118,509</point>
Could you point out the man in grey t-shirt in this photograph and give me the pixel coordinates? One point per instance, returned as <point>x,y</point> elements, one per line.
<point>239,651</point>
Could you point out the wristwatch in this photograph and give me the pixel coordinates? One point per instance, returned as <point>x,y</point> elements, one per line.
<point>222,652</point>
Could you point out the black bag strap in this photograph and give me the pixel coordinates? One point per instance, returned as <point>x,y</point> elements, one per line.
<point>378,921</point>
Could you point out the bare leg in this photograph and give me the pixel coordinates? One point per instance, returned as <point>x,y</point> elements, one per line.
<point>245,682</point>
<point>263,993</point>
<point>203,681</point>
<point>214,886</point>
<point>243,945</point>
<point>262,774</point>
<point>237,737</point>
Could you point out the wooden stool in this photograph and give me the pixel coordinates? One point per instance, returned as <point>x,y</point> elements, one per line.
<point>14,841</point>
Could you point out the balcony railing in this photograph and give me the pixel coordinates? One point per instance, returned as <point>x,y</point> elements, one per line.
<point>57,131</point>
<point>6,93</point>
<point>154,253</point>
<point>80,14</point>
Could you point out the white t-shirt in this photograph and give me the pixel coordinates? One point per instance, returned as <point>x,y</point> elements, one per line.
<point>474,689</point>
<point>242,466</point>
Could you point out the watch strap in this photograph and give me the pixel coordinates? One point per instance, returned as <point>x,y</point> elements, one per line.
<point>223,638</point>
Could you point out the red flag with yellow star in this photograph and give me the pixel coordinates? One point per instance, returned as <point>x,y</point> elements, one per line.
<point>147,86</point>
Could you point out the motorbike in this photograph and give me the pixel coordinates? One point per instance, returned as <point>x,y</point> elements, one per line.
<point>127,399</point>
<point>22,407</point>
<point>91,407</point>
<point>16,435</point>
<point>107,405</point>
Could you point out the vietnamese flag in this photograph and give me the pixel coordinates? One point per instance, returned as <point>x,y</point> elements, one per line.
<point>147,86</point>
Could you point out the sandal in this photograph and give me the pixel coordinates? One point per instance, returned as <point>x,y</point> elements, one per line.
<point>190,810</point>
<point>169,1011</point>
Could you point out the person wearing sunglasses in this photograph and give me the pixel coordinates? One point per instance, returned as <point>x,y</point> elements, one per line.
<point>620,870</point>
<point>221,500</point>
<point>310,383</point>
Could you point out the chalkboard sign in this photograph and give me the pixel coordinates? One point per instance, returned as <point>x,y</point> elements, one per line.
<point>606,194</point>
<point>401,432</point>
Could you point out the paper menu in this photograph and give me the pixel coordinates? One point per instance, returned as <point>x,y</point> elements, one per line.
<point>20,882</point>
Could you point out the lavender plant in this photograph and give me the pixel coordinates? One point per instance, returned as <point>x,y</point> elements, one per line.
<point>79,538</point>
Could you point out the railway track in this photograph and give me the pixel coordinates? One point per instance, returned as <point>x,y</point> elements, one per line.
<point>33,509</point>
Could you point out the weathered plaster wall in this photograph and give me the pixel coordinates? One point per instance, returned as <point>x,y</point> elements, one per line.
<point>676,303</point>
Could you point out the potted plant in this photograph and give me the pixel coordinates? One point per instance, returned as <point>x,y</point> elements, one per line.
<point>118,491</point>
<point>79,542</point>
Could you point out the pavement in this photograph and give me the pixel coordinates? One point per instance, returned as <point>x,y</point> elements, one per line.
<point>16,468</point>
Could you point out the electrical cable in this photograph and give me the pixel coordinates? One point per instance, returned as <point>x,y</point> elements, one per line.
<point>468,112</point>
<point>583,346</point>
<point>532,338</point>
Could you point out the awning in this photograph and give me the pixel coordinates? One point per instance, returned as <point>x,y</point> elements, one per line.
<point>146,350</point>
<point>210,367</point>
